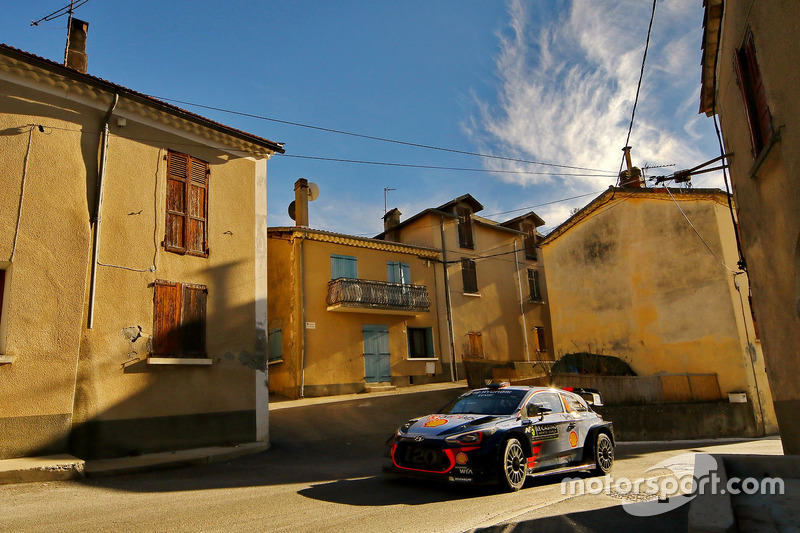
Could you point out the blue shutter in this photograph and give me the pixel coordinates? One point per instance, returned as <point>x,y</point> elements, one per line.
<point>429,342</point>
<point>392,272</point>
<point>405,272</point>
<point>344,266</point>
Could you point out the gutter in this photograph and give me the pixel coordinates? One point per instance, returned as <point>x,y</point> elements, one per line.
<point>448,305</point>
<point>99,209</point>
<point>522,306</point>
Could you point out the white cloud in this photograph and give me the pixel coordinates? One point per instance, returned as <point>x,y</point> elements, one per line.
<point>568,82</point>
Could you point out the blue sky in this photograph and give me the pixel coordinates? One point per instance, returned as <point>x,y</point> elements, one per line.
<point>536,80</point>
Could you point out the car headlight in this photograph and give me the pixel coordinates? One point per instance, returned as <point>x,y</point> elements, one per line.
<point>473,437</point>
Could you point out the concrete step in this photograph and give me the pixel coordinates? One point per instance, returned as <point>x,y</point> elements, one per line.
<point>46,468</point>
<point>379,387</point>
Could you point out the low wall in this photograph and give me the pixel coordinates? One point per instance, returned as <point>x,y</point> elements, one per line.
<point>681,421</point>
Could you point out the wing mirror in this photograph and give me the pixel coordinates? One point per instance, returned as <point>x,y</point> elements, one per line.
<point>537,410</point>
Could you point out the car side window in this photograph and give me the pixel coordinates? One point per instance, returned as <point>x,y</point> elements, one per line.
<point>550,400</point>
<point>574,404</point>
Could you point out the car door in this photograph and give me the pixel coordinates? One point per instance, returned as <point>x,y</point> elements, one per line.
<point>549,433</point>
<point>578,426</point>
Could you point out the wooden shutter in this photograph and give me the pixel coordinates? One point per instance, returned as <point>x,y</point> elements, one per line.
<point>193,320</point>
<point>530,241</point>
<point>475,344</point>
<point>469,275</point>
<point>344,266</point>
<point>197,219</point>
<point>465,239</point>
<point>541,339</point>
<point>177,175</point>
<point>754,95</point>
<point>166,318</point>
<point>187,205</point>
<point>533,285</point>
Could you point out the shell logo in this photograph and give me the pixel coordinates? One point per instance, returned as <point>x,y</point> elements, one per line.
<point>573,439</point>
<point>435,422</point>
<point>461,458</point>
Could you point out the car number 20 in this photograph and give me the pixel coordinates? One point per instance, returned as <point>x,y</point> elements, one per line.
<point>421,456</point>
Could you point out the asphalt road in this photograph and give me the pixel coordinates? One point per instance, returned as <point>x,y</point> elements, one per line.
<point>323,474</point>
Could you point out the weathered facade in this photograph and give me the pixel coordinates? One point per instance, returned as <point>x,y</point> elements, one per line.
<point>491,293</point>
<point>629,277</point>
<point>132,269</point>
<point>750,81</point>
<point>347,313</point>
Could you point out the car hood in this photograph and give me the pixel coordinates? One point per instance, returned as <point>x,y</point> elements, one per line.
<point>442,425</point>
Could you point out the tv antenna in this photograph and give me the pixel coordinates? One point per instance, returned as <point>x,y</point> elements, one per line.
<point>386,198</point>
<point>58,13</point>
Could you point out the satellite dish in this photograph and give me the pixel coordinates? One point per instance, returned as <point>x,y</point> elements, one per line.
<point>313,191</point>
<point>291,211</point>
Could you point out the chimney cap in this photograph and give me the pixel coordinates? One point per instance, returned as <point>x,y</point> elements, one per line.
<point>392,213</point>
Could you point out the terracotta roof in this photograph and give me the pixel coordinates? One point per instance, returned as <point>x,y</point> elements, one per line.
<point>130,93</point>
<point>353,240</point>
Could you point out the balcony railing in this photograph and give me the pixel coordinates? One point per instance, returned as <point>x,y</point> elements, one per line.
<point>368,294</point>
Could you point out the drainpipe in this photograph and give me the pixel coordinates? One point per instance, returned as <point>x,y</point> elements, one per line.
<point>302,319</point>
<point>450,332</point>
<point>521,306</point>
<point>98,211</point>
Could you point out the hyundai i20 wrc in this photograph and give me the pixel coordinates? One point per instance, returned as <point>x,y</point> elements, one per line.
<point>505,434</point>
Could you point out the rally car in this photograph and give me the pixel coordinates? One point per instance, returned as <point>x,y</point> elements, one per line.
<point>505,434</point>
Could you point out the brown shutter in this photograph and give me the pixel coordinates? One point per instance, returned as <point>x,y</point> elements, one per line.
<point>193,327</point>
<point>754,95</point>
<point>476,344</point>
<point>197,194</point>
<point>530,241</point>
<point>541,339</point>
<point>465,239</point>
<point>166,318</point>
<point>177,176</point>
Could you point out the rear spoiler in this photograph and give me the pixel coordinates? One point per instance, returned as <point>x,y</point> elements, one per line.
<point>592,396</point>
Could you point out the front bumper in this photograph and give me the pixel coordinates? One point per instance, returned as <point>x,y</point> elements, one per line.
<point>441,462</point>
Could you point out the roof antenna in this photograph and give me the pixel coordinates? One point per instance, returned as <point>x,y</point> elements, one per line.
<point>69,30</point>
<point>385,199</point>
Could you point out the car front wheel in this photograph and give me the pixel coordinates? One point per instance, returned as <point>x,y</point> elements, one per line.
<point>603,454</point>
<point>514,466</point>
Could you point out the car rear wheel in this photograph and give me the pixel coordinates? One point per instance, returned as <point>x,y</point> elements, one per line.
<point>514,467</point>
<point>603,454</point>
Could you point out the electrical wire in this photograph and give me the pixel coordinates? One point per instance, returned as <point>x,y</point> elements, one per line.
<point>59,12</point>
<point>373,137</point>
<point>639,85</point>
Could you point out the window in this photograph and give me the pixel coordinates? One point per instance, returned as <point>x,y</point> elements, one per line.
<point>541,340</point>
<point>573,403</point>
<point>420,343</point>
<point>465,239</point>
<point>530,242</point>
<point>344,266</point>
<point>187,205</point>
<point>533,285</point>
<point>475,344</point>
<point>179,319</point>
<point>469,275</point>
<point>753,94</point>
<point>275,342</point>
<point>397,272</point>
<point>549,400</point>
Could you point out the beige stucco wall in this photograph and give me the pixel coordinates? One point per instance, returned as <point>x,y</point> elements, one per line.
<point>767,190</point>
<point>64,375</point>
<point>633,280</point>
<point>332,351</point>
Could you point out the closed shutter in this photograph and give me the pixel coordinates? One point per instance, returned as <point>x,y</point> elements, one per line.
<point>465,239</point>
<point>754,95</point>
<point>166,318</point>
<point>344,266</point>
<point>533,285</point>
<point>397,272</point>
<point>187,205</point>
<point>469,275</point>
<point>475,344</point>
<point>193,320</point>
<point>541,339</point>
<point>275,344</point>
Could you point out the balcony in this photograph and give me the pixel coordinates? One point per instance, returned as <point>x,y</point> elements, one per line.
<point>377,297</point>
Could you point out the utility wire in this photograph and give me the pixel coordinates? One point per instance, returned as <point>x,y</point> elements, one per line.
<point>639,85</point>
<point>59,13</point>
<point>374,138</point>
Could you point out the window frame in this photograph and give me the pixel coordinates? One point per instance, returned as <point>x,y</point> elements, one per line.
<point>174,320</point>
<point>754,96</point>
<point>189,183</point>
<point>338,258</point>
<point>534,286</point>
<point>427,333</point>
<point>469,276</point>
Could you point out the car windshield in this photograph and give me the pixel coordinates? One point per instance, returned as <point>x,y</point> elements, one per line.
<point>486,402</point>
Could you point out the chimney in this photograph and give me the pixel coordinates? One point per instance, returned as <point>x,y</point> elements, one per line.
<point>76,45</point>
<point>390,220</point>
<point>301,202</point>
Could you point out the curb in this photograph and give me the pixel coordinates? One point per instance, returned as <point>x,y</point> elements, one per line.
<point>46,468</point>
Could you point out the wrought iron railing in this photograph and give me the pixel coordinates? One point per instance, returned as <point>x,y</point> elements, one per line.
<point>378,295</point>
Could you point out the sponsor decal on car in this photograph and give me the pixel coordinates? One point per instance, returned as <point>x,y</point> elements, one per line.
<point>435,421</point>
<point>545,431</point>
<point>573,439</point>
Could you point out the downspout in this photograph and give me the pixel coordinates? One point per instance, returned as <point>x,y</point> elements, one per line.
<point>302,319</point>
<point>450,332</point>
<point>98,211</point>
<point>521,306</point>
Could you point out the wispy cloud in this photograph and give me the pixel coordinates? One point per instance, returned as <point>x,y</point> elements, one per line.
<point>567,82</point>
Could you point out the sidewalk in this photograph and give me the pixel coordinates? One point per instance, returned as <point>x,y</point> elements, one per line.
<point>65,467</point>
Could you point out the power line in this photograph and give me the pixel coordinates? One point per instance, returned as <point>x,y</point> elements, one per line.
<point>639,85</point>
<point>434,167</point>
<point>374,138</point>
<point>59,12</point>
